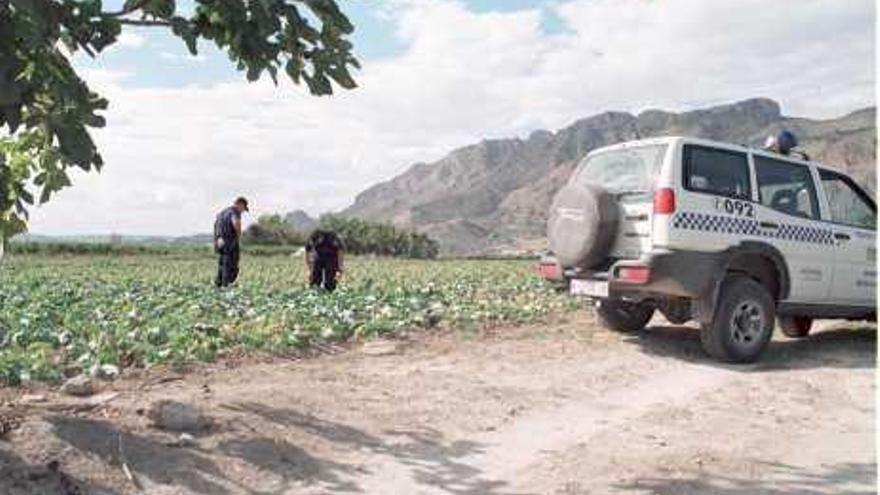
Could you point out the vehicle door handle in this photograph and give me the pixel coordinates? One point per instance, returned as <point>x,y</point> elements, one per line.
<point>840,236</point>
<point>769,225</point>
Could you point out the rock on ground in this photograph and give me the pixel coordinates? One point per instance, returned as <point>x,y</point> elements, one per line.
<point>78,386</point>
<point>380,348</point>
<point>178,416</point>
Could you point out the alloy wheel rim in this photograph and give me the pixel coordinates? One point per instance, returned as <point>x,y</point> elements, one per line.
<point>747,324</point>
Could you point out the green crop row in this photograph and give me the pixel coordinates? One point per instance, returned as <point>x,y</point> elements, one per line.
<point>65,315</point>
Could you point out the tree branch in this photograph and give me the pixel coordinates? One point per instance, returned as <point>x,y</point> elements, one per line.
<point>144,22</point>
<point>126,11</point>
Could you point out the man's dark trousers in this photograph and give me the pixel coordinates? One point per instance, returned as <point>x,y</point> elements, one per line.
<point>324,274</point>
<point>227,267</point>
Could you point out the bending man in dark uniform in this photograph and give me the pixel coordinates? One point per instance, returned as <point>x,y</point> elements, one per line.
<point>324,259</point>
<point>227,232</point>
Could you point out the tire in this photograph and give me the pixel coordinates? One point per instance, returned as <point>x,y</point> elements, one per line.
<point>582,225</point>
<point>796,327</point>
<point>622,316</point>
<point>743,322</point>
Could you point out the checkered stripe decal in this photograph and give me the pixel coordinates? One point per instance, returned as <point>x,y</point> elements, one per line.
<point>802,233</point>
<point>749,226</point>
<point>715,223</point>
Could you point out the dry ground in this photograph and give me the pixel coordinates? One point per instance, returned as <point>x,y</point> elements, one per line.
<point>562,408</point>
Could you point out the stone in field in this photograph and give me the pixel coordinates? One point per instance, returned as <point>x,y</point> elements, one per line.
<point>380,348</point>
<point>183,440</point>
<point>178,416</point>
<point>78,386</point>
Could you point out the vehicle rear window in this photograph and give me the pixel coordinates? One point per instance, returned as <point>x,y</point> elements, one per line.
<point>716,171</point>
<point>786,187</point>
<point>628,170</point>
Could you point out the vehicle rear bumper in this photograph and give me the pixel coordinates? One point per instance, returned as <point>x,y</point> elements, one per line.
<point>670,273</point>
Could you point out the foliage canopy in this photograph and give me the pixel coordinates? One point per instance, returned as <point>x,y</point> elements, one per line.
<point>47,109</point>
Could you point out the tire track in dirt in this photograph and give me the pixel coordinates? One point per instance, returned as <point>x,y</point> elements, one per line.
<point>553,409</point>
<point>507,453</point>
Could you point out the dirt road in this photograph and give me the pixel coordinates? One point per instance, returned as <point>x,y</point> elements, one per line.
<point>563,408</point>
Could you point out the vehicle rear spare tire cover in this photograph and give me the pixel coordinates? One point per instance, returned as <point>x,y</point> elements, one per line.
<point>583,224</point>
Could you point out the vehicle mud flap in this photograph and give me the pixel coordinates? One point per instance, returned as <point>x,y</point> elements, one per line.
<point>703,306</point>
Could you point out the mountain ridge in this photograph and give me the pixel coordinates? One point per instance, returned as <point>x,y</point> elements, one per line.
<point>493,196</point>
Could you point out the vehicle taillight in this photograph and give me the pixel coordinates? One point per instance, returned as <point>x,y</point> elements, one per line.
<point>634,274</point>
<point>550,271</point>
<point>664,201</point>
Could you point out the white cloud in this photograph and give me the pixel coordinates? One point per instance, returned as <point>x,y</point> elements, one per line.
<point>174,156</point>
<point>105,77</point>
<point>129,39</point>
<point>180,59</point>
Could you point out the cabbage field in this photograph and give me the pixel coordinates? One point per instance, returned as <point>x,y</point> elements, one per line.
<point>63,315</point>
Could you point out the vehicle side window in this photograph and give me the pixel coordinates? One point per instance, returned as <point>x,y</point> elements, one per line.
<point>716,171</point>
<point>786,187</point>
<point>849,205</point>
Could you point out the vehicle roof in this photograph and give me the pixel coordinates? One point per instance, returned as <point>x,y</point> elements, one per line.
<point>674,140</point>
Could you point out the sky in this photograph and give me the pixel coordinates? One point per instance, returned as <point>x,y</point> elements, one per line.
<point>185,135</point>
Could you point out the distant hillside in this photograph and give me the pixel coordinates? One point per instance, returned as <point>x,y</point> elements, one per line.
<point>494,196</point>
<point>300,221</point>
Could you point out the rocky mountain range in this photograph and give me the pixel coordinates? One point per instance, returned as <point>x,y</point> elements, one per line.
<point>494,196</point>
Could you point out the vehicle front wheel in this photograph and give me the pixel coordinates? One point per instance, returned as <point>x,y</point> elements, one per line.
<point>796,327</point>
<point>623,316</point>
<point>743,321</point>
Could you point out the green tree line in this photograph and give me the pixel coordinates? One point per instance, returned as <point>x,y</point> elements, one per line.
<point>359,236</point>
<point>272,230</point>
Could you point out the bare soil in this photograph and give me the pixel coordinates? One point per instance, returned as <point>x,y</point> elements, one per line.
<point>562,408</point>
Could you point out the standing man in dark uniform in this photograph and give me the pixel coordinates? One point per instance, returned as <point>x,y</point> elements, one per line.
<point>324,256</point>
<point>227,232</point>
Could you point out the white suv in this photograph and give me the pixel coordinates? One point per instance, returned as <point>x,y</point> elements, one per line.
<point>726,235</point>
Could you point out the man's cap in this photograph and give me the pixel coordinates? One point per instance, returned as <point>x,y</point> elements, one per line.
<point>243,201</point>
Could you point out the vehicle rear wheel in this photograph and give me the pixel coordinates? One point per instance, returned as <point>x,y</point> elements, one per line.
<point>623,316</point>
<point>796,327</point>
<point>743,321</point>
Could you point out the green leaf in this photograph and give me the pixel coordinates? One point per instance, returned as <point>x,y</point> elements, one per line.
<point>12,116</point>
<point>89,8</point>
<point>10,91</point>
<point>45,195</point>
<point>162,9</point>
<point>294,68</point>
<point>106,33</point>
<point>76,146</point>
<point>342,77</point>
<point>183,29</point>
<point>26,197</point>
<point>130,5</point>
<point>330,15</point>
<point>318,84</point>
<point>253,73</point>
